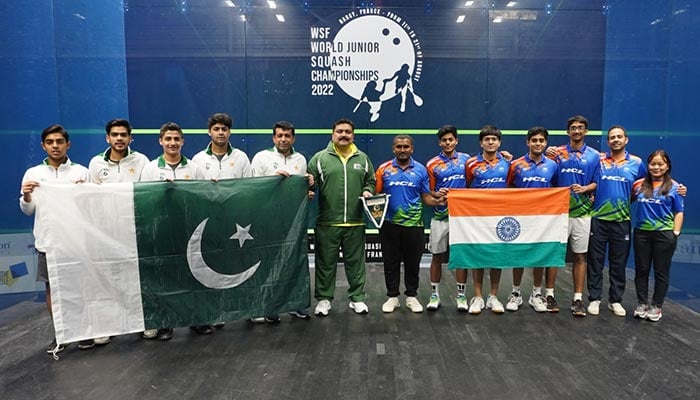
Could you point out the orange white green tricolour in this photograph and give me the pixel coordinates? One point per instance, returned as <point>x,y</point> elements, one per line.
<point>505,228</point>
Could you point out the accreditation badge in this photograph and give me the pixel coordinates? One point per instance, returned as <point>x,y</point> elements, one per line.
<point>375,208</point>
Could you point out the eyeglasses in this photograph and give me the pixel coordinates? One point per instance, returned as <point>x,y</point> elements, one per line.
<point>575,128</point>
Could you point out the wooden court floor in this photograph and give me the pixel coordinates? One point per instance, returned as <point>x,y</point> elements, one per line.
<point>433,355</point>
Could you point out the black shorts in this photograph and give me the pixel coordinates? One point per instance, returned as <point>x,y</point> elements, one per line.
<point>42,272</point>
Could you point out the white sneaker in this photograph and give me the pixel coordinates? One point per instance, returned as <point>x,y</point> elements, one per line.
<point>462,304</point>
<point>434,302</point>
<point>413,304</point>
<point>322,308</point>
<point>617,309</point>
<point>391,304</point>
<point>149,334</point>
<point>641,311</point>
<point>594,307</point>
<point>654,314</point>
<point>515,300</point>
<point>494,304</point>
<point>476,304</point>
<point>359,307</point>
<point>103,340</point>
<point>258,320</point>
<point>537,302</point>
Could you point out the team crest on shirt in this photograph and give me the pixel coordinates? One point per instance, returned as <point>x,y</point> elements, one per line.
<point>103,173</point>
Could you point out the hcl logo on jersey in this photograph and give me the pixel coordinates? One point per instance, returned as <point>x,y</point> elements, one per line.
<point>572,171</point>
<point>492,180</point>
<point>652,201</point>
<point>613,178</point>
<point>402,183</point>
<point>452,178</point>
<point>535,179</point>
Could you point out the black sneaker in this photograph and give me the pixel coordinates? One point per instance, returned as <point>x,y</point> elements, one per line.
<point>86,344</point>
<point>552,305</point>
<point>578,309</point>
<point>272,319</point>
<point>55,348</point>
<point>202,329</point>
<point>301,314</point>
<point>165,334</point>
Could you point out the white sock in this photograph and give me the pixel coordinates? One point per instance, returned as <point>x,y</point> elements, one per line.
<point>460,288</point>
<point>578,296</point>
<point>434,287</point>
<point>516,289</point>
<point>549,292</point>
<point>536,290</point>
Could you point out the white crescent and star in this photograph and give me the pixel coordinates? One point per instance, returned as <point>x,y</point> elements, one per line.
<point>203,272</point>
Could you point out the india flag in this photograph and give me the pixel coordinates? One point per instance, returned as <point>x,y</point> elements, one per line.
<point>506,228</point>
<point>127,257</point>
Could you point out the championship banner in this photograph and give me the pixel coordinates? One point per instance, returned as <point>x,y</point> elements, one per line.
<point>127,257</point>
<point>375,208</point>
<point>507,228</point>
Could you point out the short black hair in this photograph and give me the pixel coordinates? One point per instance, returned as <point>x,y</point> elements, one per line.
<point>577,118</point>
<point>284,125</point>
<point>344,121</point>
<point>170,126</point>
<point>489,130</point>
<point>220,118</point>
<point>445,129</point>
<point>55,128</point>
<point>118,122</point>
<point>537,130</point>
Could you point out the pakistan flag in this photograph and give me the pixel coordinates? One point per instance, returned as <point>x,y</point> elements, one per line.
<point>127,257</point>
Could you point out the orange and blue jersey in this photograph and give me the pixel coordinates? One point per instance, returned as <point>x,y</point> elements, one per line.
<point>483,174</point>
<point>656,213</point>
<point>527,173</point>
<point>613,194</point>
<point>406,187</point>
<point>446,172</point>
<point>580,167</point>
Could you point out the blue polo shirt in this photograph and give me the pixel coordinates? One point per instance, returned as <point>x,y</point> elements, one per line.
<point>483,174</point>
<point>613,194</point>
<point>657,212</point>
<point>578,167</point>
<point>526,173</point>
<point>406,187</point>
<point>446,172</point>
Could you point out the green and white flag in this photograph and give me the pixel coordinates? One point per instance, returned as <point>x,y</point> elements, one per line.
<point>126,257</point>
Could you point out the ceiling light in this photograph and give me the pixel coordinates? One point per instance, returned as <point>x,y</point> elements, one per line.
<point>460,19</point>
<point>229,3</point>
<point>497,20</point>
<point>271,4</point>
<point>511,4</point>
<point>280,17</point>
<point>469,3</point>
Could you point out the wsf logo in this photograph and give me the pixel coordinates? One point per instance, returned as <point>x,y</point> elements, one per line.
<point>373,57</point>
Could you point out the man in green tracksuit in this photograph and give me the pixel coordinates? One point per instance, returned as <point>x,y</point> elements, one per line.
<point>342,174</point>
